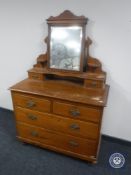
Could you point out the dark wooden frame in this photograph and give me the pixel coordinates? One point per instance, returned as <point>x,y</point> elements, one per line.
<point>66,19</point>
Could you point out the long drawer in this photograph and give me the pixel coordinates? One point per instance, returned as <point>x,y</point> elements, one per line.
<point>35,103</point>
<point>47,137</point>
<point>77,111</point>
<point>56,123</point>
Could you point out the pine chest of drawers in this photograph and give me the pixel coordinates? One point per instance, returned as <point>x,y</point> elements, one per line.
<point>59,116</point>
<point>60,105</point>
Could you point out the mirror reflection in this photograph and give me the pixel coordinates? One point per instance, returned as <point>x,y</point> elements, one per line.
<point>65,47</point>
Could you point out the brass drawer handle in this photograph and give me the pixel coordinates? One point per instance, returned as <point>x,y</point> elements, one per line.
<point>32,117</point>
<point>75,126</point>
<point>73,143</point>
<point>30,104</point>
<point>74,113</point>
<point>34,133</point>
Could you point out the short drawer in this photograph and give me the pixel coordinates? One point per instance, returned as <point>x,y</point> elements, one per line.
<point>77,112</point>
<point>56,123</point>
<point>94,83</point>
<point>30,102</point>
<point>70,143</point>
<point>35,76</point>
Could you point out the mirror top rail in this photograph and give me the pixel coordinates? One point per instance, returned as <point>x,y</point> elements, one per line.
<point>67,17</point>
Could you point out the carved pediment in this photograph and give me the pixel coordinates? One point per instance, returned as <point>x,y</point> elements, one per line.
<point>67,15</point>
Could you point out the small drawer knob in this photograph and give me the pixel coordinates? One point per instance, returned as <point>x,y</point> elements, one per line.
<point>74,112</point>
<point>75,126</point>
<point>73,143</point>
<point>32,117</point>
<point>30,104</point>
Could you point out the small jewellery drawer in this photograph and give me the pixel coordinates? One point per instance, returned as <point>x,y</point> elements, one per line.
<point>35,76</point>
<point>94,83</point>
<point>77,112</point>
<point>60,141</point>
<point>30,102</point>
<point>60,124</point>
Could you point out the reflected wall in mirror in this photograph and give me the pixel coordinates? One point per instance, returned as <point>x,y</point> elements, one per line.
<point>65,47</point>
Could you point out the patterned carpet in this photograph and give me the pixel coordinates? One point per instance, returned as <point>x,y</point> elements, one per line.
<point>19,159</point>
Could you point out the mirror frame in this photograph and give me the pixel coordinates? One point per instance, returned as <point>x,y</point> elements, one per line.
<point>68,19</point>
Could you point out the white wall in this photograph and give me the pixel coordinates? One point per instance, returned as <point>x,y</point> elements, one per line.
<point>23,28</point>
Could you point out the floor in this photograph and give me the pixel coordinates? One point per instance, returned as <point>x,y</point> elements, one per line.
<point>19,159</point>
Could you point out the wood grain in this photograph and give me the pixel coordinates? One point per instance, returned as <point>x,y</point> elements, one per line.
<point>31,102</point>
<point>85,113</point>
<point>57,123</point>
<point>66,142</point>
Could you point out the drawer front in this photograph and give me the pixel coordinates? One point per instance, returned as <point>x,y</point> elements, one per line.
<point>70,143</point>
<point>29,102</point>
<point>77,112</point>
<point>35,76</point>
<point>57,123</point>
<point>93,83</point>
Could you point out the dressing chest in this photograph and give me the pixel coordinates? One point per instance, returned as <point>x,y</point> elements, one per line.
<point>61,110</point>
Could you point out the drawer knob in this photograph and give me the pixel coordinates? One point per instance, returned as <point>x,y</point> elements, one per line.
<point>74,113</point>
<point>73,143</point>
<point>34,133</point>
<point>32,117</point>
<point>30,104</point>
<point>75,126</point>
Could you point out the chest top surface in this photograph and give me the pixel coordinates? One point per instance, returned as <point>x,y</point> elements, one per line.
<point>63,90</point>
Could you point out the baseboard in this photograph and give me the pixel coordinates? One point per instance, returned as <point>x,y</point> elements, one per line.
<point>116,140</point>
<point>104,137</point>
<point>5,109</point>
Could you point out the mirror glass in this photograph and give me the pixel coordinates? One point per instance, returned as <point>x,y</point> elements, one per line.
<point>65,47</point>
